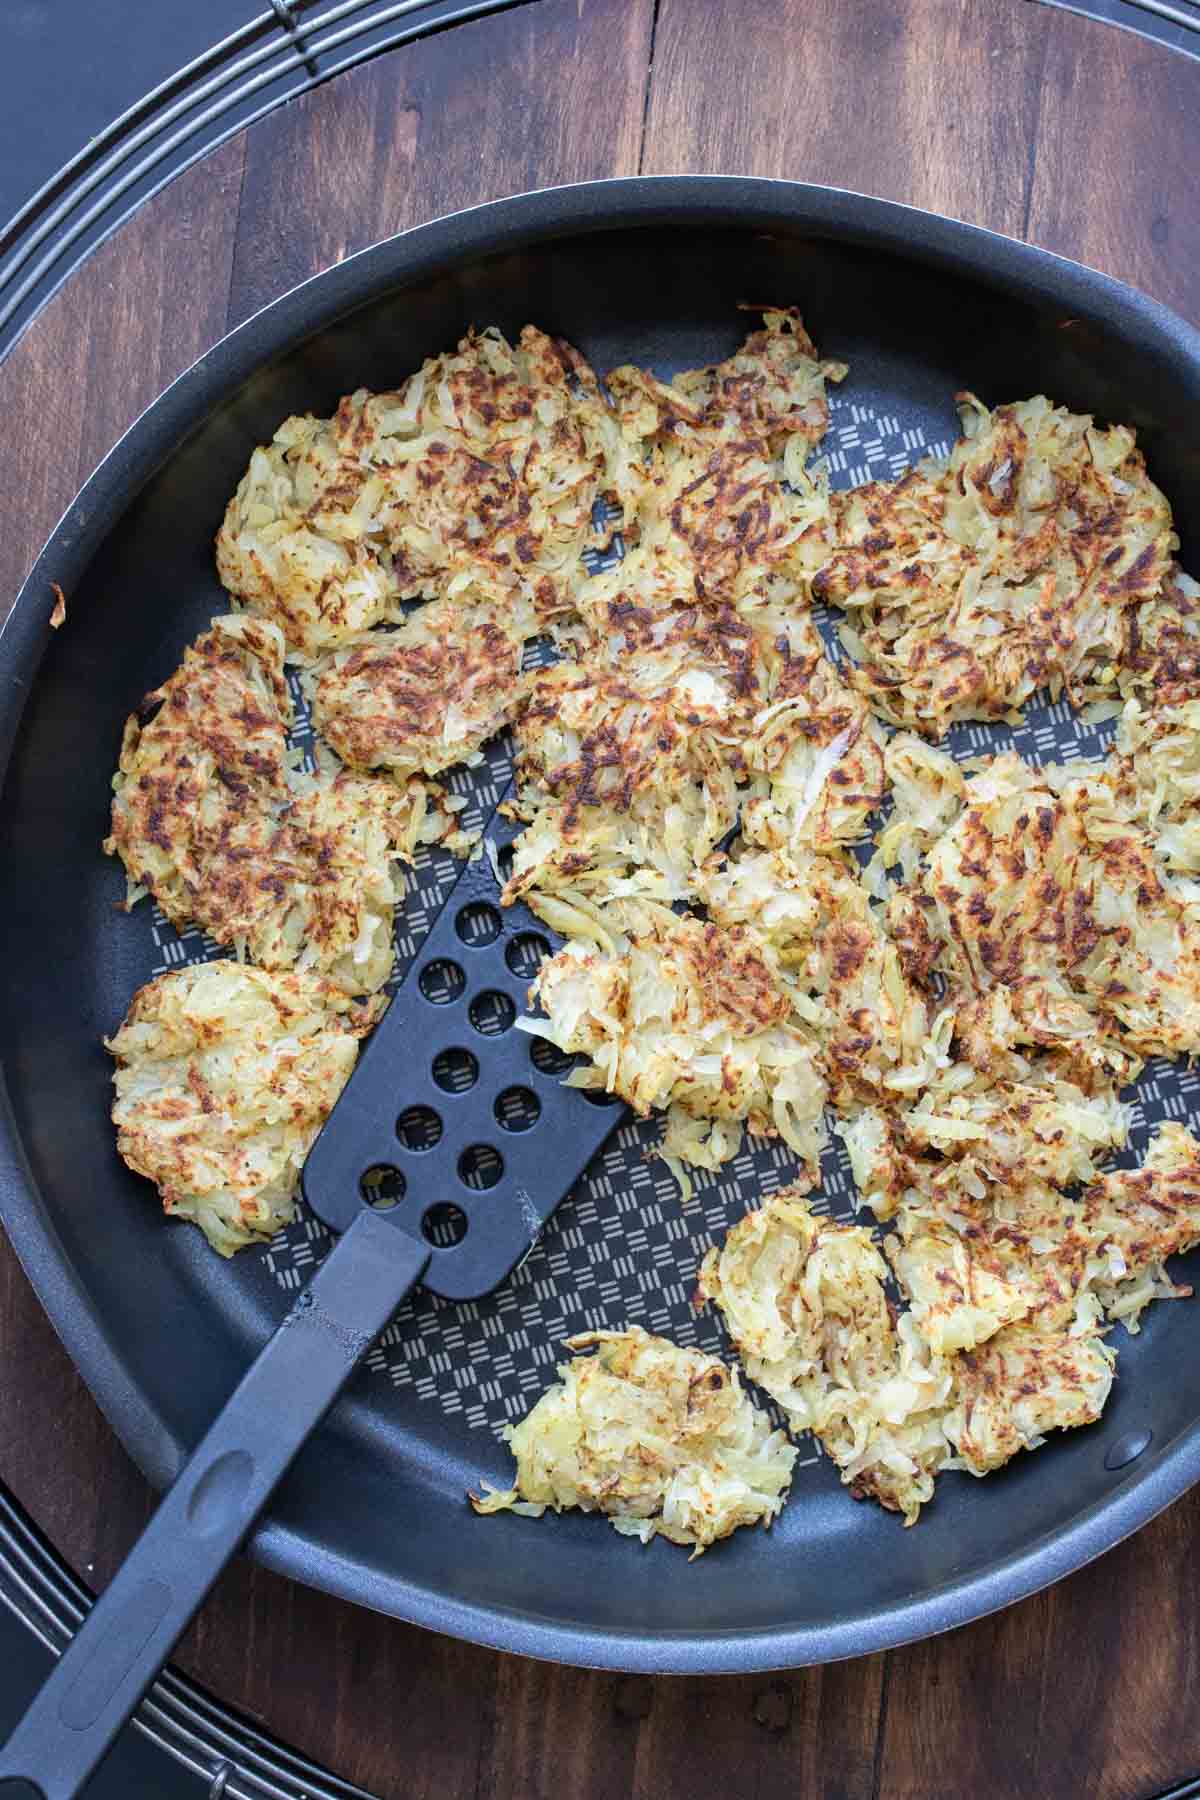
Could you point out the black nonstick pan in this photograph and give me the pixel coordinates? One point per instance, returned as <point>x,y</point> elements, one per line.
<point>374,1508</point>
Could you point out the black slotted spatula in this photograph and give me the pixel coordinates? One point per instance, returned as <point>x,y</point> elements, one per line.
<point>452,1143</point>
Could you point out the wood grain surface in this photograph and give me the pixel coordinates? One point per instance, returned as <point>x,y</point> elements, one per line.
<point>1032,121</point>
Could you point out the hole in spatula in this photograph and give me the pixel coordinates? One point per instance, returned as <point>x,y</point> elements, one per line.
<point>491,1013</point>
<point>455,1071</point>
<point>480,1166</point>
<point>444,1225</point>
<point>478,924</point>
<point>418,1128</point>
<point>442,981</point>
<point>526,954</point>
<point>382,1186</point>
<point>547,1058</point>
<point>517,1109</point>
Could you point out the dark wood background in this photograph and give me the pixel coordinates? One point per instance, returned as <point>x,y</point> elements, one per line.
<point>1075,135</point>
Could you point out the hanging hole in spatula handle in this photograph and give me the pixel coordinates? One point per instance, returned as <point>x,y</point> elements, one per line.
<point>204,1518</point>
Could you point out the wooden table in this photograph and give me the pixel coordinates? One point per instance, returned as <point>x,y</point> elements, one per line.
<point>1075,135</point>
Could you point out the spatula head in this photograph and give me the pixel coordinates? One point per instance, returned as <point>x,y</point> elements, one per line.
<point>454,1122</point>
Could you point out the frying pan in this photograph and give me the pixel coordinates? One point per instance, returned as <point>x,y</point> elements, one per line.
<point>649,270</point>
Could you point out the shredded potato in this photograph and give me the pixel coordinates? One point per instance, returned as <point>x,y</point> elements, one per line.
<point>1161,662</point>
<point>778,894</point>
<point>675,1013</point>
<point>928,790</point>
<point>1156,781</point>
<point>1013,566</point>
<point>662,1440</point>
<point>427,696</point>
<point>816,757</point>
<point>984,1245</point>
<point>980,1129</point>
<point>709,517</point>
<point>1137,1218</point>
<point>482,469</point>
<point>628,763</point>
<point>844,978</point>
<point>635,762</point>
<point>1045,886</point>
<point>1027,1381</point>
<point>211,817</point>
<point>225,1075</point>
<point>804,1301</point>
<point>702,684</point>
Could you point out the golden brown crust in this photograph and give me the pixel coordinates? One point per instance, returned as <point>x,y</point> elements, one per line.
<point>484,467</point>
<point>1016,565</point>
<point>708,516</point>
<point>681,1014</point>
<point>211,817</point>
<point>224,1076</point>
<point>1053,893</point>
<point>426,696</point>
<point>628,762</point>
<point>1161,659</point>
<point>1026,1381</point>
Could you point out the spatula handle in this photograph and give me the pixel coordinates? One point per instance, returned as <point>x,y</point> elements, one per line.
<point>130,1632</point>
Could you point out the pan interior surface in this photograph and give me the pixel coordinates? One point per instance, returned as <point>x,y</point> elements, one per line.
<point>375,1506</point>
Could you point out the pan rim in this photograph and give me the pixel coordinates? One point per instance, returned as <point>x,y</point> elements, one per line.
<point>456,240</point>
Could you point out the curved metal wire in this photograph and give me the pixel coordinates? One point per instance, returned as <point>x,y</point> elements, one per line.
<point>1175,23</point>
<point>277,56</point>
<point>235,1760</point>
<point>1187,14</point>
<point>112,134</point>
<point>280,54</point>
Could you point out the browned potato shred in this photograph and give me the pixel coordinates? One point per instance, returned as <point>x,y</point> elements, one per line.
<point>211,816</point>
<point>425,697</point>
<point>780,899</point>
<point>483,468</point>
<point>225,1074</point>
<point>662,1440</point>
<point>1013,566</point>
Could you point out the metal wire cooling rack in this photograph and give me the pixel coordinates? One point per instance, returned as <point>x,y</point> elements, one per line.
<point>217,1755</point>
<point>291,47</point>
<point>1175,23</point>
<point>281,53</point>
